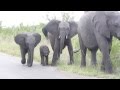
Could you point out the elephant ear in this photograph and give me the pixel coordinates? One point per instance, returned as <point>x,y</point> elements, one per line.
<point>73,28</point>
<point>45,32</point>
<point>100,23</point>
<point>37,38</point>
<point>52,27</point>
<point>20,39</point>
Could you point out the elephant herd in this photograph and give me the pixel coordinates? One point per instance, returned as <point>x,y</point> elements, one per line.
<point>95,31</point>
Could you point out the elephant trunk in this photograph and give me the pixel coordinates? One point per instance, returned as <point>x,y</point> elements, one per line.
<point>62,40</point>
<point>30,56</point>
<point>32,52</point>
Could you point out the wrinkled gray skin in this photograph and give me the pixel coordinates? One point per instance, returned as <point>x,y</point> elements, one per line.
<point>60,34</point>
<point>95,30</point>
<point>44,53</point>
<point>27,42</point>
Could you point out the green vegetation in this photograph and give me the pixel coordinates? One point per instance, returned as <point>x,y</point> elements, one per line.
<point>7,45</point>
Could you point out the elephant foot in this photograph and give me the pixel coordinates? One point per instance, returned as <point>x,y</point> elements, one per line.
<point>29,64</point>
<point>83,63</point>
<point>109,71</point>
<point>47,64</point>
<point>53,64</point>
<point>82,66</point>
<point>103,68</point>
<point>93,64</point>
<point>106,69</point>
<point>43,64</point>
<point>23,61</point>
<point>71,62</point>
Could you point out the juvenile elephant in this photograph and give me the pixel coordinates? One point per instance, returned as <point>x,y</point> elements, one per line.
<point>95,30</point>
<point>60,34</point>
<point>44,53</point>
<point>27,42</point>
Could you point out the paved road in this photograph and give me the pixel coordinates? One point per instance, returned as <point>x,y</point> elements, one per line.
<point>11,68</point>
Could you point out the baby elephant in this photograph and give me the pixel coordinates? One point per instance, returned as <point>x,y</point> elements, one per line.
<point>44,52</point>
<point>27,42</point>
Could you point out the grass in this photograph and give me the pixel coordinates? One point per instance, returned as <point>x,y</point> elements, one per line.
<point>7,45</point>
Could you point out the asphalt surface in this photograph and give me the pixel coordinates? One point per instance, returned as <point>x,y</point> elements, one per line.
<point>11,68</point>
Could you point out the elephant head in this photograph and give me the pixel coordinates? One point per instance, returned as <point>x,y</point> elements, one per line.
<point>28,39</point>
<point>64,29</point>
<point>27,42</point>
<point>61,30</point>
<point>114,24</point>
<point>107,23</point>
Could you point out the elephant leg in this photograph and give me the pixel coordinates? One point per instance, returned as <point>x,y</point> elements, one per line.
<point>106,62</point>
<point>70,49</point>
<point>55,54</point>
<point>46,60</point>
<point>93,57</point>
<point>52,45</point>
<point>52,40</point>
<point>110,45</point>
<point>42,60</point>
<point>23,53</point>
<point>83,52</point>
<point>83,58</point>
<point>104,47</point>
<point>30,58</point>
<point>58,56</point>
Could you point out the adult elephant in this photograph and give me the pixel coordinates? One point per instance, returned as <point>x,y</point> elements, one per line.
<point>60,34</point>
<point>95,30</point>
<point>27,42</point>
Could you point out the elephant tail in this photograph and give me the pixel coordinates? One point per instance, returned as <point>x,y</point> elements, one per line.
<point>76,51</point>
<point>45,32</point>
